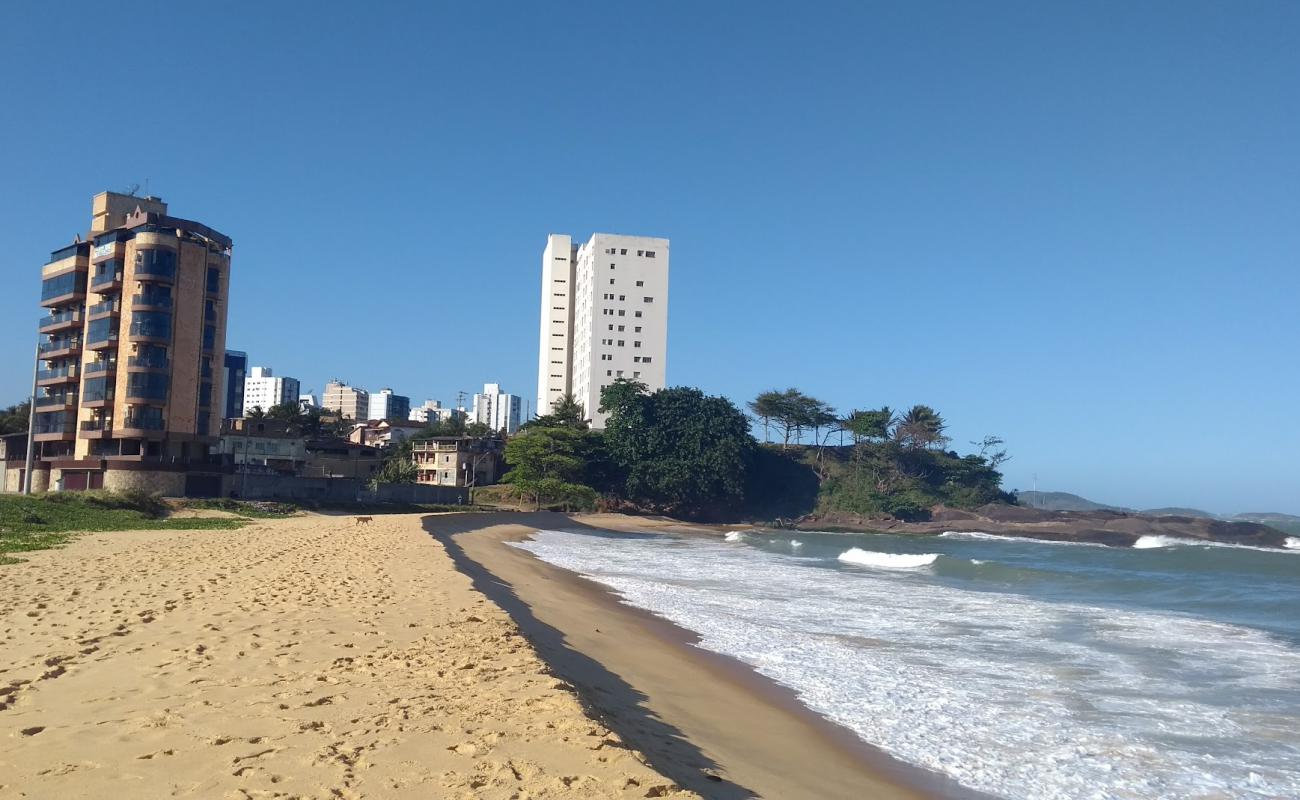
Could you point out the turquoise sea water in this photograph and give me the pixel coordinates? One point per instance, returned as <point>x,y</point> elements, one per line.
<point>1020,668</point>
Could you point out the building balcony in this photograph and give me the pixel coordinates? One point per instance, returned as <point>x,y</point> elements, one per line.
<point>140,428</point>
<point>100,368</point>
<point>50,377</point>
<point>96,429</point>
<point>62,348</point>
<point>99,399</point>
<point>75,296</point>
<point>56,403</point>
<point>103,344</point>
<point>108,282</point>
<point>57,433</point>
<point>64,320</point>
<point>149,300</point>
<point>147,362</point>
<point>107,308</point>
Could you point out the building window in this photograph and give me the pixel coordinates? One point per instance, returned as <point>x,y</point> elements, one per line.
<point>640,252</point>
<point>636,344</point>
<point>638,313</point>
<point>623,251</point>
<point>611,281</point>
<point>640,283</point>
<point>622,297</point>
<point>621,312</point>
<point>637,329</point>
<point>214,280</point>
<point>636,374</point>
<point>649,254</point>
<point>609,373</point>
<point>645,359</point>
<point>649,299</point>
<point>620,342</point>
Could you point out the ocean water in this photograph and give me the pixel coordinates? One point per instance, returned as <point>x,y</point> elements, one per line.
<point>1020,668</point>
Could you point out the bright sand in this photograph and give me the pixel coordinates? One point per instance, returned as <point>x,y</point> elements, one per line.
<point>307,657</point>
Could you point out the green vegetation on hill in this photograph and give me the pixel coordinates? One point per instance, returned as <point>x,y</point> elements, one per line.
<point>14,418</point>
<point>1062,501</point>
<point>37,522</point>
<point>681,452</point>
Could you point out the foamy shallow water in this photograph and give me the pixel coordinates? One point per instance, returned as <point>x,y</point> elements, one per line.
<point>956,666</point>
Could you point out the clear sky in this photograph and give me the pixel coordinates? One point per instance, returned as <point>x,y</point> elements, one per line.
<point>1073,225</point>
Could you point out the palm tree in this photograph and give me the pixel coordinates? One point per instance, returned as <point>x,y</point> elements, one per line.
<point>921,427</point>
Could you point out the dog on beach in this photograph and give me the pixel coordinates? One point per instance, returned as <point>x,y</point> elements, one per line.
<point>363,520</point>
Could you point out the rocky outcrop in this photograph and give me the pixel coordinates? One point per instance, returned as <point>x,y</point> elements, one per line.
<point>1116,528</point>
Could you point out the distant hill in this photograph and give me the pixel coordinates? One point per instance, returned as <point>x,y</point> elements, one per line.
<point>1175,511</point>
<point>1063,501</point>
<point>1289,523</point>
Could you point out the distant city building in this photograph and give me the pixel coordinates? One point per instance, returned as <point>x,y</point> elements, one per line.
<point>431,411</point>
<point>386,405</point>
<point>308,401</point>
<point>496,409</point>
<point>236,369</point>
<point>130,362</point>
<point>350,402</point>
<point>264,389</point>
<point>604,317</point>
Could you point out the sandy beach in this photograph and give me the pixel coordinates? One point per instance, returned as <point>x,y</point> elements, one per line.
<point>305,657</point>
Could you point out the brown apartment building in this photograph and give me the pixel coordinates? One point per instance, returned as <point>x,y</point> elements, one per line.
<point>129,366</point>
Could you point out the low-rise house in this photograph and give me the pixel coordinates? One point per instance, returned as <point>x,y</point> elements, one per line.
<point>340,458</point>
<point>384,433</point>
<point>263,445</point>
<point>462,461</point>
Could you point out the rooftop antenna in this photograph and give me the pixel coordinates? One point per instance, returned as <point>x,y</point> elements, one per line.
<point>132,190</point>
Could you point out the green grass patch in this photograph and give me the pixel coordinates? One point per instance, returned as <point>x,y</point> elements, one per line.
<point>38,522</point>
<point>259,509</point>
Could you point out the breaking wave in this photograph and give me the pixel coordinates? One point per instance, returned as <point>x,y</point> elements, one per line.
<point>870,558</point>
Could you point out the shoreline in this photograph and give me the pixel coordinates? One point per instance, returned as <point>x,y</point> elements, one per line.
<point>709,722</point>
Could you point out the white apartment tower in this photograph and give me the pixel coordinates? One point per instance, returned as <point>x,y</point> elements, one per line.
<point>604,316</point>
<point>497,409</point>
<point>263,389</point>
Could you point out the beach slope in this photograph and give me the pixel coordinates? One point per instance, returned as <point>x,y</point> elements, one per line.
<point>306,657</point>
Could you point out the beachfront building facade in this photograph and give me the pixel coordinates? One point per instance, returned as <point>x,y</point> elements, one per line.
<point>386,405</point>
<point>264,389</point>
<point>461,461</point>
<point>604,316</point>
<point>497,409</point>
<point>349,401</point>
<point>130,373</point>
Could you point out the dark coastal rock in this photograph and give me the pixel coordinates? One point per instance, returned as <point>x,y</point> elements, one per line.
<point>1114,528</point>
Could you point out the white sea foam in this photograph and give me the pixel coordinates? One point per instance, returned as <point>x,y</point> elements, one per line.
<point>1292,543</point>
<point>734,536</point>
<point>1007,694</point>
<point>870,558</point>
<point>1160,542</point>
<point>977,535</point>
<point>795,544</point>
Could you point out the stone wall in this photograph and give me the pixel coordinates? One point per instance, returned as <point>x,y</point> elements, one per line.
<point>167,484</point>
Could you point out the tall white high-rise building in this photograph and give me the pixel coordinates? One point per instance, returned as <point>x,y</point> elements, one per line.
<point>496,409</point>
<point>386,405</point>
<point>263,389</point>
<point>604,317</point>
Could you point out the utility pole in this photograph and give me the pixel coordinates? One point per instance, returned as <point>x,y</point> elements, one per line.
<point>31,423</point>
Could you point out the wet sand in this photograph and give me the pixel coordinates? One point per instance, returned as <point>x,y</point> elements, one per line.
<point>706,721</point>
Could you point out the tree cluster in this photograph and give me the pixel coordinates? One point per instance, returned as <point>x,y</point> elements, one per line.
<point>14,418</point>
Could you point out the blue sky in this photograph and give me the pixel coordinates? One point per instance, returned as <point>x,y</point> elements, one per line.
<point>1076,227</point>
